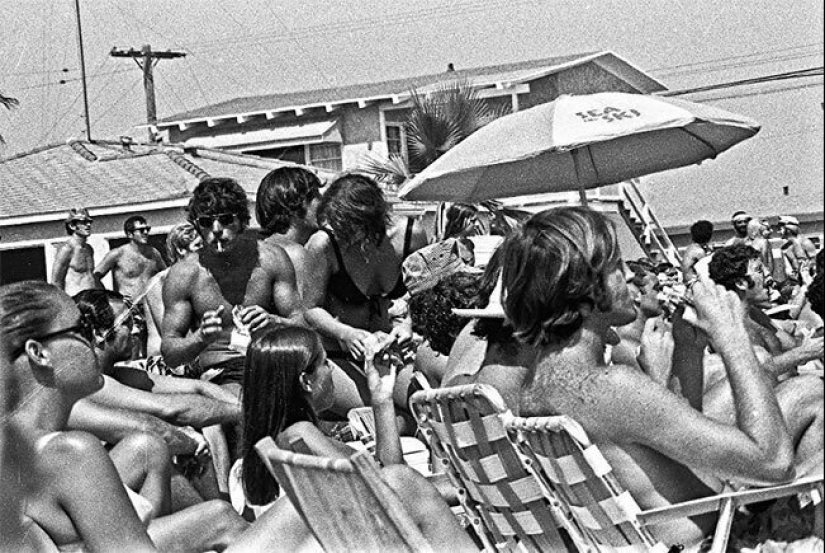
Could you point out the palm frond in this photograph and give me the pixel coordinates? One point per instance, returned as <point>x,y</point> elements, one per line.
<point>392,171</point>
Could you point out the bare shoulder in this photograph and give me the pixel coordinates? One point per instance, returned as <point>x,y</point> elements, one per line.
<point>319,241</point>
<point>272,257</point>
<point>184,274</point>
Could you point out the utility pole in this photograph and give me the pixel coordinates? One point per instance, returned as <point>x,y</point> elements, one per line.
<point>83,72</point>
<point>146,59</point>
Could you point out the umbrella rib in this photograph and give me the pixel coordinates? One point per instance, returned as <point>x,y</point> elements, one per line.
<point>703,141</point>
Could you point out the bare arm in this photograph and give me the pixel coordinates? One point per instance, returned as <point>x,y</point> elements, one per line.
<point>86,485</point>
<point>182,409</point>
<point>178,345</point>
<point>163,384</point>
<point>108,263</point>
<point>757,450</point>
<point>61,265</point>
<point>321,260</point>
<point>112,424</point>
<point>285,295</point>
<point>381,376</point>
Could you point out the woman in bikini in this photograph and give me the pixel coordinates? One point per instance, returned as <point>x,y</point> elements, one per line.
<point>356,261</point>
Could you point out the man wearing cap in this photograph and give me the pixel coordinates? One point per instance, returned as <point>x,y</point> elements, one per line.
<point>798,251</point>
<point>740,221</point>
<point>74,263</point>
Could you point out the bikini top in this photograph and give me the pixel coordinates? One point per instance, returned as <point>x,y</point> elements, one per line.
<point>344,288</point>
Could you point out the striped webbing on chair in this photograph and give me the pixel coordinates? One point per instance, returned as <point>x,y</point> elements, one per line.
<point>496,485</point>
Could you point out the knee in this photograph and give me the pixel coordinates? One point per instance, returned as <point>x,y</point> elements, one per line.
<point>224,520</point>
<point>150,447</point>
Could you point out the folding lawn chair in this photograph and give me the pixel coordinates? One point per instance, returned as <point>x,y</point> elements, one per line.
<point>506,503</point>
<point>368,517</point>
<point>610,517</point>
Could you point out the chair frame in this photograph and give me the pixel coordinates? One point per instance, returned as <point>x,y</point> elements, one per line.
<point>540,437</point>
<point>369,518</point>
<point>507,504</point>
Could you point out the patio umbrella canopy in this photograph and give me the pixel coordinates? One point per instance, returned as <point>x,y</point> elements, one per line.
<point>576,143</point>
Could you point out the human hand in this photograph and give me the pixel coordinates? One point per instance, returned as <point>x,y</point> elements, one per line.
<point>254,317</point>
<point>381,368</point>
<point>656,351</point>
<point>401,334</point>
<point>211,325</point>
<point>355,342</point>
<point>713,309</point>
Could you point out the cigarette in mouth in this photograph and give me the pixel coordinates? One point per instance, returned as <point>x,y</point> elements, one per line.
<point>219,246</point>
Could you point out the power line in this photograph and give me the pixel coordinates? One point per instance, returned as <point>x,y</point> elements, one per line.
<point>740,57</point>
<point>801,73</point>
<point>75,79</point>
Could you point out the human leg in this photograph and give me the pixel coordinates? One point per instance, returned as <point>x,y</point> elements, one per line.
<point>280,528</point>
<point>211,525</point>
<point>143,463</point>
<point>430,512</point>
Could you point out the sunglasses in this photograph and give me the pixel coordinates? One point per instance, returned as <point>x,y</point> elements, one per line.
<point>84,222</point>
<point>144,230</point>
<point>225,219</point>
<point>83,331</point>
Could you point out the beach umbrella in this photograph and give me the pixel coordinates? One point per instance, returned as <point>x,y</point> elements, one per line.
<point>577,142</point>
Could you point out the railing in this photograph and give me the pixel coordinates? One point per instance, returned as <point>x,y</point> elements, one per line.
<point>652,233</point>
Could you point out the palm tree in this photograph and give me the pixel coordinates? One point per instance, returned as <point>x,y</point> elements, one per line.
<point>7,102</point>
<point>437,121</point>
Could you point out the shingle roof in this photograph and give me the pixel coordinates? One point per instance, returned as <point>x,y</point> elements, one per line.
<point>254,104</point>
<point>104,174</point>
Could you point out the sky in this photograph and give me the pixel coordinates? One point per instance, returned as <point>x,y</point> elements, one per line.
<point>237,48</point>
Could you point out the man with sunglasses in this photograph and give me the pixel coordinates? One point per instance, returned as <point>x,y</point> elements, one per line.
<point>74,262</point>
<point>235,285</point>
<point>133,265</point>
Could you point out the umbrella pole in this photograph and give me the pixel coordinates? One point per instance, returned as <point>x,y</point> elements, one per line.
<point>583,196</point>
<point>576,166</point>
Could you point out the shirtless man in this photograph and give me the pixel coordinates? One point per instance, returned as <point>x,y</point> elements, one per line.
<point>740,221</point>
<point>74,263</point>
<point>285,207</point>
<point>651,437</point>
<point>233,270</point>
<point>700,234</point>
<point>798,251</point>
<point>756,240</point>
<point>134,263</point>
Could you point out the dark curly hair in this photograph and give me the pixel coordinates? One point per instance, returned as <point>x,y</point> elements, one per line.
<point>355,208</point>
<point>431,310</point>
<point>553,267</point>
<point>219,195</point>
<point>730,265</point>
<point>283,196</point>
<point>814,294</point>
<point>701,231</point>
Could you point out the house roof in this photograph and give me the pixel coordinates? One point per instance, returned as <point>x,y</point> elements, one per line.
<point>45,182</point>
<point>501,76</point>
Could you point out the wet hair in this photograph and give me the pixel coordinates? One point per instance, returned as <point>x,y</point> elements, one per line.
<point>273,398</point>
<point>129,224</point>
<point>431,310</point>
<point>459,217</point>
<point>283,196</point>
<point>27,310</point>
<point>96,304</point>
<point>216,195</point>
<point>179,238</point>
<point>815,294</point>
<point>701,231</point>
<point>554,268</point>
<point>355,208</point>
<point>730,265</point>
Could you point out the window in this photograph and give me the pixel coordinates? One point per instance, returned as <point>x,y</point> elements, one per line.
<point>22,264</point>
<point>396,140</point>
<point>326,155</point>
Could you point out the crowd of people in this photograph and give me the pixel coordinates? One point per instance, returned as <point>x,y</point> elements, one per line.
<point>134,411</point>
